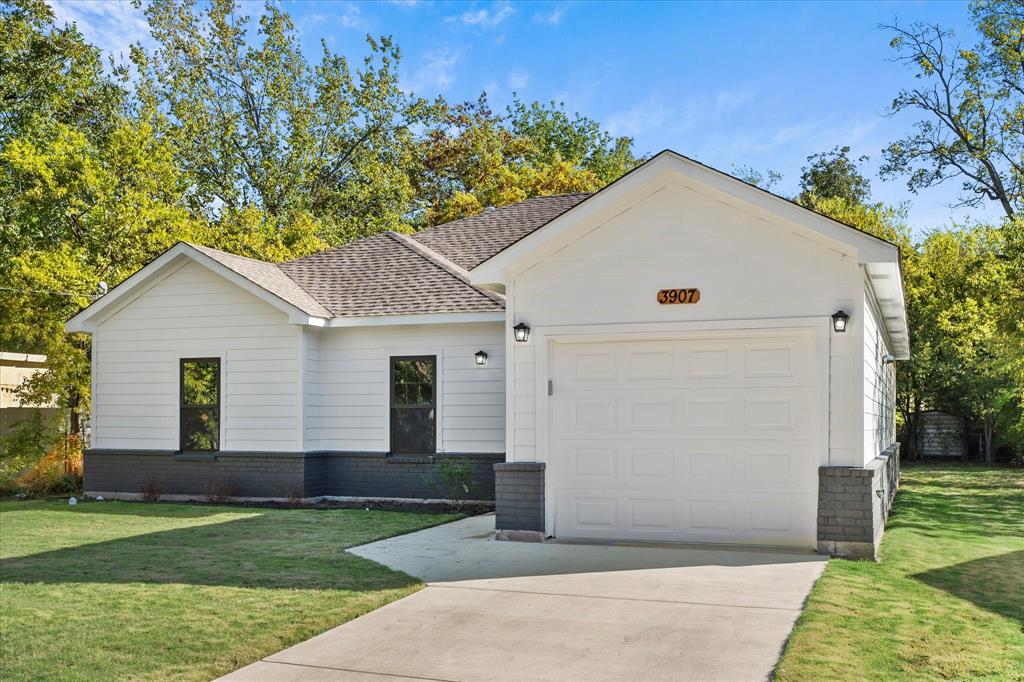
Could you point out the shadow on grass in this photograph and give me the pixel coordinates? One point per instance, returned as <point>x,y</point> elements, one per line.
<point>263,551</point>
<point>994,583</point>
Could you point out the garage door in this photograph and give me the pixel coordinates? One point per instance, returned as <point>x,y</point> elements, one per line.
<point>698,440</point>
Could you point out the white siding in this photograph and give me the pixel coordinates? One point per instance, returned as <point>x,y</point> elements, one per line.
<point>745,267</point>
<point>195,313</point>
<point>354,391</point>
<point>879,383</point>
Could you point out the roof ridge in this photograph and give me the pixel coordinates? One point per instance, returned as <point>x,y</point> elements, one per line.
<point>441,262</point>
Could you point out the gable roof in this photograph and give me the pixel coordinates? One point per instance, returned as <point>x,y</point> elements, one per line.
<point>268,276</point>
<point>386,275</point>
<point>880,258</point>
<point>470,241</point>
<point>390,278</point>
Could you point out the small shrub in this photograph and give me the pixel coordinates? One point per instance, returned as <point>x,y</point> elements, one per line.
<point>454,476</point>
<point>59,472</point>
<point>151,490</point>
<point>25,444</point>
<point>221,491</point>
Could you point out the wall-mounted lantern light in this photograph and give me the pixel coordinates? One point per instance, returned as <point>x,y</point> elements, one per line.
<point>522,332</point>
<point>481,358</point>
<point>839,320</point>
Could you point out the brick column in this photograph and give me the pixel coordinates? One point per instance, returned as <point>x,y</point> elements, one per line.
<point>519,501</point>
<point>853,504</point>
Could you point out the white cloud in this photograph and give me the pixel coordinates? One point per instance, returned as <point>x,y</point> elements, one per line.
<point>485,18</point>
<point>110,26</point>
<point>437,72</point>
<point>643,116</point>
<point>517,80</point>
<point>351,17</point>
<point>552,18</point>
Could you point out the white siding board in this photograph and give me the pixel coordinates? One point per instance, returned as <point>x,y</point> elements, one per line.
<point>879,407</point>
<point>354,385</point>
<point>195,313</point>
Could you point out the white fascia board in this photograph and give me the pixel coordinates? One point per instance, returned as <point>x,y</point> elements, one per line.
<point>426,318</point>
<point>169,260</point>
<point>664,170</point>
<point>887,282</point>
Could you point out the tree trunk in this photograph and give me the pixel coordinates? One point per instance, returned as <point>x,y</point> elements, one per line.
<point>990,428</point>
<point>74,404</point>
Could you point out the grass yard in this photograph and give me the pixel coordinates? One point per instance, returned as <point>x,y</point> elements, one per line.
<point>945,602</point>
<point>116,590</point>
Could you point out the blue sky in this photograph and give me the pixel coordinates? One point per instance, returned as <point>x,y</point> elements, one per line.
<point>730,84</point>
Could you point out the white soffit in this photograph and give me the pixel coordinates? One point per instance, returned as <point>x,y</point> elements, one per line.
<point>887,281</point>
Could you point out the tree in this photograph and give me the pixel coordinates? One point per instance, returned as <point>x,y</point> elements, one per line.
<point>765,180</point>
<point>967,279</point>
<point>972,102</point>
<point>474,157</point>
<point>257,126</point>
<point>834,175</point>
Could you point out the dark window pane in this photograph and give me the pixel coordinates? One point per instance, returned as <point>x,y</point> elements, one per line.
<point>200,428</point>
<point>412,430</point>
<point>200,404</point>
<point>200,382</point>
<point>413,382</point>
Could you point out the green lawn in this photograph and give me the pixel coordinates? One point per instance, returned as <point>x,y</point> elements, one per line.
<point>945,602</point>
<point>116,590</point>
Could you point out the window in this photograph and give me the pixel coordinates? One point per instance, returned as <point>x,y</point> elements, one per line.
<point>413,404</point>
<point>200,404</point>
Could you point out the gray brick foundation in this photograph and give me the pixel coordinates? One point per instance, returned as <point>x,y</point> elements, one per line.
<point>519,500</point>
<point>380,475</point>
<point>853,504</point>
<point>279,474</point>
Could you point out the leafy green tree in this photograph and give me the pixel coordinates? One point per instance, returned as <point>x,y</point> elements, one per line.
<point>835,175</point>
<point>972,105</point>
<point>474,157</point>
<point>968,279</point>
<point>256,125</point>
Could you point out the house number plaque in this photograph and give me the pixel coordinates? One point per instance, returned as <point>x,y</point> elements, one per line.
<point>676,296</point>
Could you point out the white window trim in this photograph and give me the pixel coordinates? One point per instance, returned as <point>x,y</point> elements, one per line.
<point>222,357</point>
<point>438,354</point>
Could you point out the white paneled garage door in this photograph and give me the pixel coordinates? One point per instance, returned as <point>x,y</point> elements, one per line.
<point>699,440</point>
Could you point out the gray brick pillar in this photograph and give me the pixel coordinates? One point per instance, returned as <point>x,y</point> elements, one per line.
<point>519,501</point>
<point>853,504</point>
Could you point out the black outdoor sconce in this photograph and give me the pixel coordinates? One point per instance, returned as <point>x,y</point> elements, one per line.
<point>839,320</point>
<point>522,332</point>
<point>481,358</point>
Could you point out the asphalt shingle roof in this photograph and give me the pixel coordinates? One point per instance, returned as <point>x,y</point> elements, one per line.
<point>470,241</point>
<point>396,274</point>
<point>268,276</point>
<point>383,275</point>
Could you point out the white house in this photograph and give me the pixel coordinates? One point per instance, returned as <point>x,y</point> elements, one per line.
<point>678,357</point>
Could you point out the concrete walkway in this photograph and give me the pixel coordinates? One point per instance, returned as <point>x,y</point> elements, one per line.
<point>518,611</point>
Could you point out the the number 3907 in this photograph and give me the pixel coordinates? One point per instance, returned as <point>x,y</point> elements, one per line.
<point>671,296</point>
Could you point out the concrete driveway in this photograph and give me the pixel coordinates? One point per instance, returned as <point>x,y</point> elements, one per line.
<point>519,611</point>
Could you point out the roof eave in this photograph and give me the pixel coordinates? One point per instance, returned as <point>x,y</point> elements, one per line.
<point>86,320</point>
